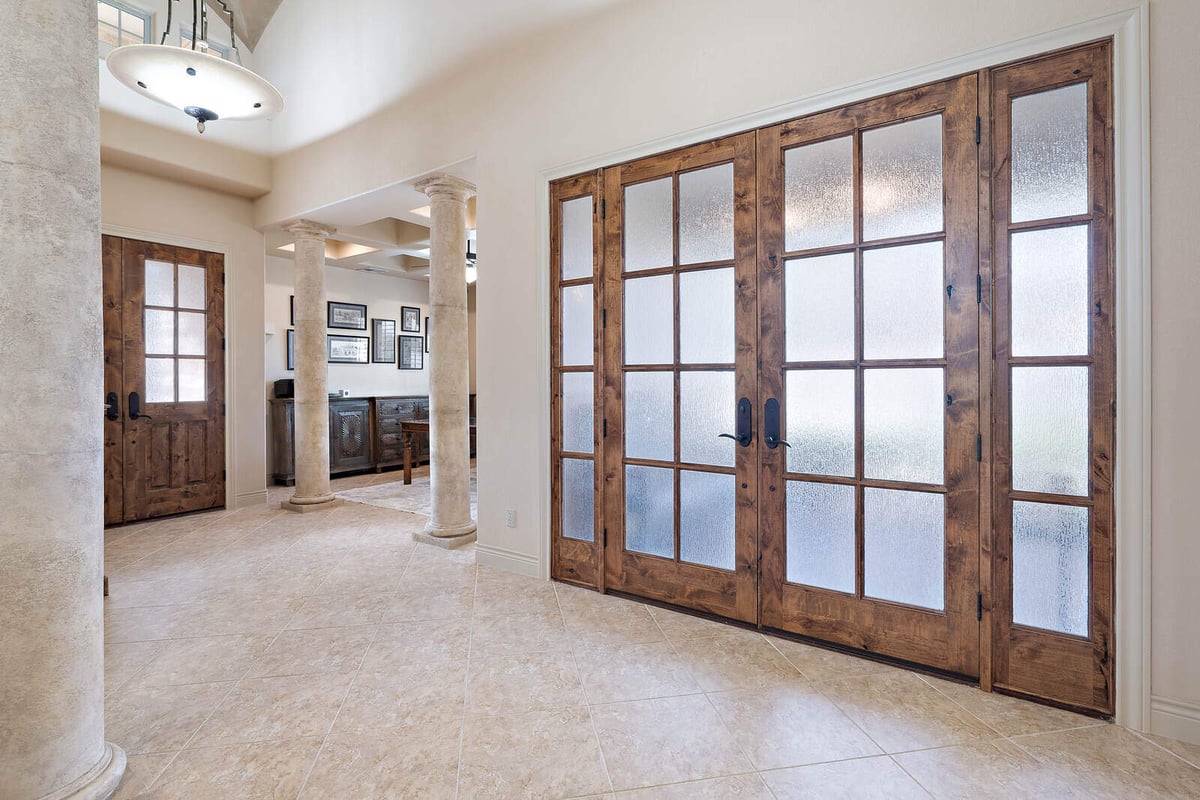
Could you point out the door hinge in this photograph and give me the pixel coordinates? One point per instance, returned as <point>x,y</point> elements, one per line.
<point>978,130</point>
<point>979,447</point>
<point>222,474</point>
<point>978,288</point>
<point>222,278</point>
<point>603,318</point>
<point>604,428</point>
<point>222,409</point>
<point>603,209</point>
<point>979,606</point>
<point>604,539</point>
<point>222,342</point>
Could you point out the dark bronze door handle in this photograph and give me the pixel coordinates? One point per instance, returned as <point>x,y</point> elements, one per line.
<point>112,410</point>
<point>771,425</point>
<point>745,424</point>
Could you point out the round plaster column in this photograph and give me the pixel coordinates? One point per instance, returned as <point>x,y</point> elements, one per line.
<point>51,447</point>
<point>450,522</point>
<point>311,417</point>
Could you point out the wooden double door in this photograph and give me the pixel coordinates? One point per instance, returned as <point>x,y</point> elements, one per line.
<point>164,380</point>
<point>776,365</point>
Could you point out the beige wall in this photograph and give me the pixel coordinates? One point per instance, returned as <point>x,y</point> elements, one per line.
<point>157,209</point>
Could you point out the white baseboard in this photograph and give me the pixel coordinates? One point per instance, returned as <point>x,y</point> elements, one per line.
<point>509,560</point>
<point>1175,719</point>
<point>248,499</point>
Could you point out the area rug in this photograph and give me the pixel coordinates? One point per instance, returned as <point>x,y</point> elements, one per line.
<point>413,498</point>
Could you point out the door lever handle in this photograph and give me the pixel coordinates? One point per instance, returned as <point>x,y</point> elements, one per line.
<point>745,424</point>
<point>111,411</point>
<point>771,425</point>
<point>744,441</point>
<point>773,442</point>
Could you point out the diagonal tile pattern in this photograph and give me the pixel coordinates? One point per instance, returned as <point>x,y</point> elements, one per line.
<point>263,654</point>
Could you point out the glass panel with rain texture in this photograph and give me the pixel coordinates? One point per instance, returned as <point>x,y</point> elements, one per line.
<point>904,542</point>
<point>706,215</point>
<point>819,304</point>
<point>649,219</point>
<point>707,518</point>
<point>902,179</point>
<point>578,499</point>
<point>820,535</point>
<point>1050,154</point>
<point>650,510</point>
<point>819,194</point>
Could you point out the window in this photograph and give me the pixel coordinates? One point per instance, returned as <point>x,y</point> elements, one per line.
<point>185,40</point>
<point>120,24</point>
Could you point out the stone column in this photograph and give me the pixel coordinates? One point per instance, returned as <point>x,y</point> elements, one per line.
<point>450,523</point>
<point>51,449</point>
<point>312,372</point>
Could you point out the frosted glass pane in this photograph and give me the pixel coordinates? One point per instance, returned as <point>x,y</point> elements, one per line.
<point>1050,306</point>
<point>903,294</point>
<point>649,219</point>
<point>1049,154</point>
<point>649,320</point>
<point>1050,429</point>
<point>902,179</point>
<point>159,332</point>
<point>191,287</point>
<point>902,425</point>
<point>819,303</point>
<point>160,283</point>
<point>160,380</point>
<point>1050,567</point>
<point>904,544</point>
<point>818,191</point>
<point>577,341</point>
<point>650,510</point>
<point>191,380</point>
<point>650,415</point>
<point>820,535</point>
<point>820,421</point>
<point>706,307</point>
<point>578,499</point>
<point>707,408</point>
<point>577,238</point>
<point>578,412</point>
<point>707,518</point>
<point>706,215</point>
<point>191,333</point>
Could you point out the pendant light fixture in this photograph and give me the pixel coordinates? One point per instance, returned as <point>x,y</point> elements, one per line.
<point>201,84</point>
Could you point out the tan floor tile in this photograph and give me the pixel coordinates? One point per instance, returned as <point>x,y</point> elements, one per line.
<point>1188,752</point>
<point>820,664</point>
<point>736,660</point>
<point>665,740</point>
<point>998,769</point>
<point>159,719</point>
<point>140,772</point>
<point>262,771</point>
<point>268,709</point>
<point>901,712</point>
<point>123,660</point>
<point>203,660</point>
<point>413,604</point>
<point>419,761</point>
<point>610,623</point>
<point>314,652</point>
<point>144,624</point>
<point>790,726</point>
<point>1008,715</point>
<point>336,611</point>
<point>749,787</point>
<point>504,594</point>
<point>1108,761</point>
<point>229,616</point>
<point>407,695</point>
<point>678,626</point>
<point>876,778</point>
<point>521,683</point>
<point>430,641</point>
<point>633,672</point>
<point>544,754</point>
<point>520,633</point>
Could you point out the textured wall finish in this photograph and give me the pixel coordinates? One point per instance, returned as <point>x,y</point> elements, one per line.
<point>449,370</point>
<point>51,471</point>
<point>312,374</point>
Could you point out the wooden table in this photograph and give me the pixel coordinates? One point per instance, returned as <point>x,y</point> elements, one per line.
<point>410,427</point>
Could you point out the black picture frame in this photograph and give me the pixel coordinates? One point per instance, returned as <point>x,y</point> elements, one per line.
<point>345,316</point>
<point>410,352</point>
<point>410,319</point>
<point>292,310</point>
<point>383,341</point>
<point>347,349</point>
<point>291,350</point>
<point>427,334</point>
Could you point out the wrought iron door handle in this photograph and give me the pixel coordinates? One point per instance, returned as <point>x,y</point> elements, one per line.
<point>773,442</point>
<point>771,425</point>
<point>745,424</point>
<point>744,441</point>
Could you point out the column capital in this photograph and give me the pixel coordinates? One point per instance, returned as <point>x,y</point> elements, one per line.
<point>443,186</point>
<point>307,229</point>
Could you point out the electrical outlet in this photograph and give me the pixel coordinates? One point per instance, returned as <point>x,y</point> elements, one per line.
<point>510,517</point>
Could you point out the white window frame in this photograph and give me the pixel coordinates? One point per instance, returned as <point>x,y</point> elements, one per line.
<point>124,8</point>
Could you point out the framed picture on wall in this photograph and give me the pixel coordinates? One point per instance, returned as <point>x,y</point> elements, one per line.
<point>291,349</point>
<point>348,349</point>
<point>410,319</point>
<point>383,341</point>
<point>427,334</point>
<point>412,353</point>
<point>348,316</point>
<point>292,310</point>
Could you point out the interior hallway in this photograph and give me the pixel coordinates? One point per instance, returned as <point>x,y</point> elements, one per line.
<point>261,653</point>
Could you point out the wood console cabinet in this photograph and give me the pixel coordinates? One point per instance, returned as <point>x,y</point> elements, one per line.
<point>389,444</point>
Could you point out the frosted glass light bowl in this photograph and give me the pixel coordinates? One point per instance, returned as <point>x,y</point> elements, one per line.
<point>205,87</point>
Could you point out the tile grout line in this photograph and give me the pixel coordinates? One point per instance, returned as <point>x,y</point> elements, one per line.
<point>1144,737</point>
<point>462,728</point>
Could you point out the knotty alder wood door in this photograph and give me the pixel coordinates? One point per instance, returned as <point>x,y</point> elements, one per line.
<point>868,514</point>
<point>164,380</point>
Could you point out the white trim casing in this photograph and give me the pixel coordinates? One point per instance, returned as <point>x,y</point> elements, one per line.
<point>1175,719</point>
<point>1131,70</point>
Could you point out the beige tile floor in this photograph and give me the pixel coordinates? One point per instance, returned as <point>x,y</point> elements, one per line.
<point>265,654</point>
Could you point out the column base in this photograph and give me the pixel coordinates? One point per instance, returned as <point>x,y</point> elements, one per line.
<point>100,782</point>
<point>304,508</point>
<point>447,538</point>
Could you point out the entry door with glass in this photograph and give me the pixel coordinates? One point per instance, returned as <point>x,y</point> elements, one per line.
<point>868,511</point>
<point>681,378</point>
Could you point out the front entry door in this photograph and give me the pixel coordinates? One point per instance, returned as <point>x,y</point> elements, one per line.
<point>164,380</point>
<point>867,295</point>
